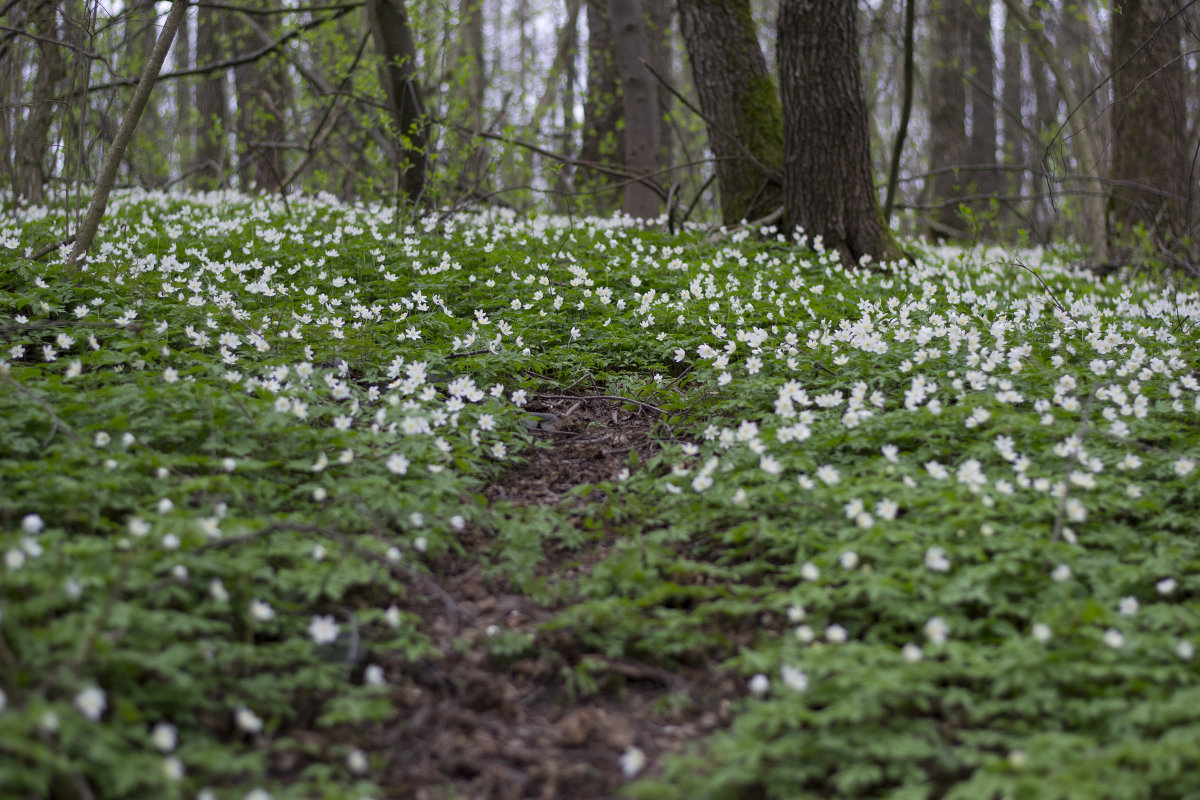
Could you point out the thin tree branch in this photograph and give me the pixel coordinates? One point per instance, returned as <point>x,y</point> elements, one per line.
<point>274,12</point>
<point>774,174</point>
<point>242,60</point>
<point>58,423</point>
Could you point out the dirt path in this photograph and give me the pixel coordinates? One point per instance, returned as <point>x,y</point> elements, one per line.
<point>471,726</point>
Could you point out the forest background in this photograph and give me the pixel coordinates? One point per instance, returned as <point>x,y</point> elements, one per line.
<point>1002,121</point>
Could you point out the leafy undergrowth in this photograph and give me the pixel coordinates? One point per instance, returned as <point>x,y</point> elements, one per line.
<point>297,506</point>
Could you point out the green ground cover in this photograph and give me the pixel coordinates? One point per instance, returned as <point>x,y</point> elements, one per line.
<point>940,521</point>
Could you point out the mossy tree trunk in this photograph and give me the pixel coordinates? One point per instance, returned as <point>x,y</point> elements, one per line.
<point>827,184</point>
<point>740,105</point>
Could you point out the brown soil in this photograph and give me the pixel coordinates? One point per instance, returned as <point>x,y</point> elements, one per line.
<point>469,727</point>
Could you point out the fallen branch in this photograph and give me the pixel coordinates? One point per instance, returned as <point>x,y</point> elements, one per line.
<point>453,611</point>
<point>58,423</point>
<point>613,397</point>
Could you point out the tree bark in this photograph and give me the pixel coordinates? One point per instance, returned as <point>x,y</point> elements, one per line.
<point>658,40</point>
<point>981,142</point>
<point>828,187</point>
<point>947,116</point>
<point>393,36</point>
<point>1151,162</point>
<point>261,115</point>
<point>740,104</point>
<point>146,164</point>
<point>910,13</point>
<point>470,62</point>
<point>639,98</point>
<point>33,138</point>
<point>1012,98</point>
<point>182,57</point>
<point>602,113</point>
<point>212,106</point>
<point>112,159</point>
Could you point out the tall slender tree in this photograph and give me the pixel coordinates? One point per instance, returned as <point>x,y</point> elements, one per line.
<point>642,133</point>
<point>1012,105</point>
<point>1087,159</point>
<point>181,52</point>
<point>261,91</point>
<point>212,105</point>
<point>984,179</point>
<point>602,110</point>
<point>33,138</point>
<point>828,187</point>
<point>388,20</point>
<point>740,104</point>
<point>948,115</point>
<point>470,64</point>
<point>129,122</point>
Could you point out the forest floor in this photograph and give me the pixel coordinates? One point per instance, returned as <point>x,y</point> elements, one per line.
<point>301,502</point>
<point>477,728</point>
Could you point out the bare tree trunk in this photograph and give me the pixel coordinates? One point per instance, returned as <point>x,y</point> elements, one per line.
<point>1013,104</point>
<point>471,62</point>
<point>393,36</point>
<point>1151,161</point>
<point>947,116</point>
<point>658,40</point>
<point>11,87</point>
<point>1087,155</point>
<point>1047,153</point>
<point>602,113</point>
<point>910,13</point>
<point>828,186</point>
<point>740,104</point>
<point>147,164</point>
<point>112,160</point>
<point>570,79</point>
<point>31,141</point>
<point>261,115</point>
<point>212,106</point>
<point>639,98</point>
<point>981,143</point>
<point>182,56</point>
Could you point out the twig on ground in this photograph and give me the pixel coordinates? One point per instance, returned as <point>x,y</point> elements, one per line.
<point>38,255</point>
<point>453,611</point>
<point>57,323</point>
<point>58,423</point>
<point>769,219</point>
<point>478,352</point>
<point>613,397</point>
